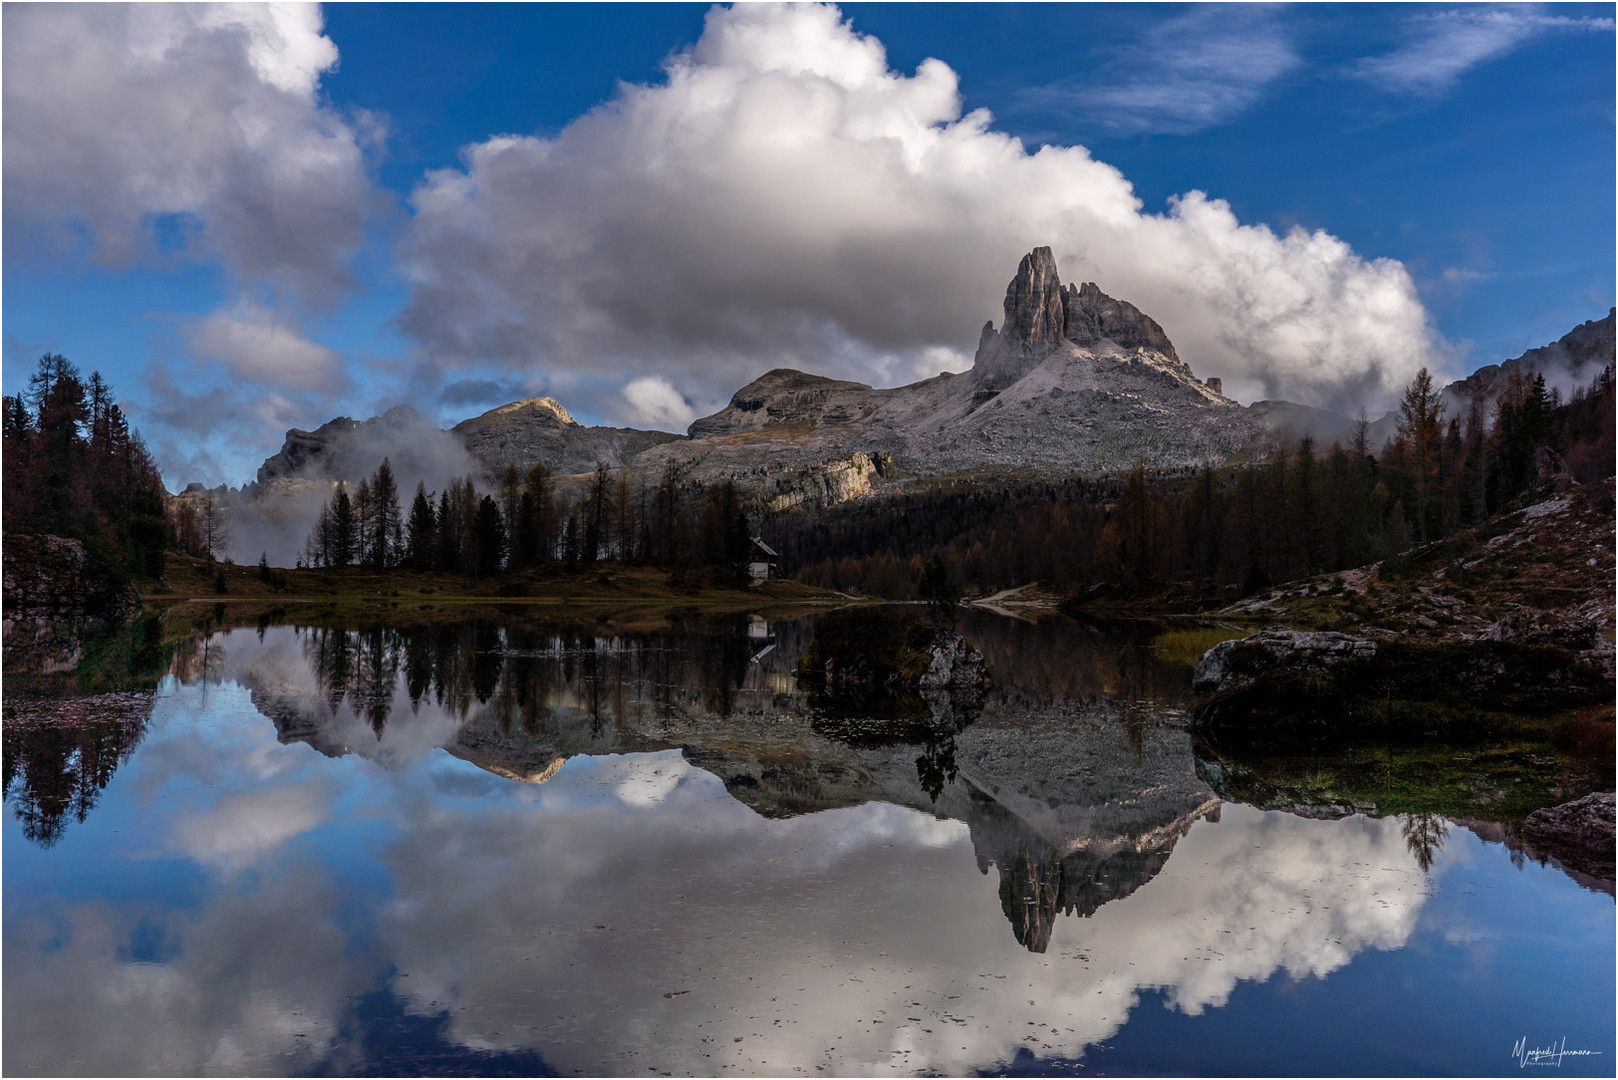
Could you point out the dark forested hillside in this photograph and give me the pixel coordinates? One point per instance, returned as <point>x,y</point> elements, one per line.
<point>1218,533</point>
<point>74,468</point>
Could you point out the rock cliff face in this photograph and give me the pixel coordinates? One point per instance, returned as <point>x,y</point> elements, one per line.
<point>54,598</point>
<point>823,485</point>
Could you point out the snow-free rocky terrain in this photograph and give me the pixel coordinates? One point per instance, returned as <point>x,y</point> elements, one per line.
<point>1073,381</point>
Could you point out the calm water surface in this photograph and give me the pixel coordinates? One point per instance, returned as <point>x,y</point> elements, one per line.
<point>509,849</point>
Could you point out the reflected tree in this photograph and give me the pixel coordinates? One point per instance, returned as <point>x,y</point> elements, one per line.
<point>1424,835</point>
<point>60,754</point>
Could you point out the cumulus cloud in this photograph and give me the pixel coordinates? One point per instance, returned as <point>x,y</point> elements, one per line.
<point>253,343</point>
<point>138,129</point>
<point>1443,46</point>
<point>1188,73</point>
<point>656,403</point>
<point>782,197</point>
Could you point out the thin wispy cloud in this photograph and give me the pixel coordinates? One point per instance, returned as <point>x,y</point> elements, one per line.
<point>1200,70</point>
<point>1441,47</point>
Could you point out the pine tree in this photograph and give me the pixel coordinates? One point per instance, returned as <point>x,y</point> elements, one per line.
<point>420,540</point>
<point>491,538</point>
<point>344,540</point>
<point>383,541</point>
<point>1421,418</point>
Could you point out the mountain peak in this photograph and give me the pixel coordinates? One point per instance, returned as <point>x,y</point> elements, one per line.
<point>1033,308</point>
<point>1041,314</point>
<point>535,405</point>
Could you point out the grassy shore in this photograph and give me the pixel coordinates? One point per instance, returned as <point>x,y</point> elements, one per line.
<point>414,596</point>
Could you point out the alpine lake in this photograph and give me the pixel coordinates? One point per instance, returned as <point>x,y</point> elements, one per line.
<point>638,843</point>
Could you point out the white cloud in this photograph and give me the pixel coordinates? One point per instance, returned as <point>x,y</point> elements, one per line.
<point>1443,46</point>
<point>1192,72</point>
<point>782,198</point>
<point>150,128</point>
<point>657,403</point>
<point>256,344</point>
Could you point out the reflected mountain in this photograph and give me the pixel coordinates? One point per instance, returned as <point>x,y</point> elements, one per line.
<point>1075,798</point>
<point>721,879</point>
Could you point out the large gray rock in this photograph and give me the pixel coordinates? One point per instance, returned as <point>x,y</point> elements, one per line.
<point>1578,832</point>
<point>1231,665</point>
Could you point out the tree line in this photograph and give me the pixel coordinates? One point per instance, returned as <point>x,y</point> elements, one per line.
<point>527,522</point>
<point>74,468</point>
<point>1220,532</point>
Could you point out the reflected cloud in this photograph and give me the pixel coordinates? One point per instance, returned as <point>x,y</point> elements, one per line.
<point>696,880</point>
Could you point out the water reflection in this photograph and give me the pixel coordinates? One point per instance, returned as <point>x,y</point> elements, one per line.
<point>697,872</point>
<point>73,713</point>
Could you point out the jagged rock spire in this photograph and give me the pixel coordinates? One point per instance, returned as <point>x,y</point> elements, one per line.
<point>1040,314</point>
<point>1092,315</point>
<point>1035,315</point>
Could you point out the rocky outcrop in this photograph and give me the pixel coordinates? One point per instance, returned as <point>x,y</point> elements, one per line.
<point>56,601</point>
<point>823,485</point>
<point>52,577</point>
<point>1094,317</point>
<point>1290,684</point>
<point>350,450</point>
<point>955,665</point>
<point>1579,833</point>
<point>1041,313</point>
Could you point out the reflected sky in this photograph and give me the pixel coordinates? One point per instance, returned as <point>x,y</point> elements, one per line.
<point>241,902</point>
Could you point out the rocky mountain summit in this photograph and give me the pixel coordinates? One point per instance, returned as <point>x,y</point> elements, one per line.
<point>541,430</point>
<point>1074,380</point>
<point>344,448</point>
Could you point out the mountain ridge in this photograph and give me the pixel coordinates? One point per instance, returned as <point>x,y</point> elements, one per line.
<point>1073,380</point>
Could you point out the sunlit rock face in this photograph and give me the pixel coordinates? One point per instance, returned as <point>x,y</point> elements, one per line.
<point>541,431</point>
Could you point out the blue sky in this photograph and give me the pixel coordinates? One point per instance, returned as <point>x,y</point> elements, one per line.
<point>253,218</point>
